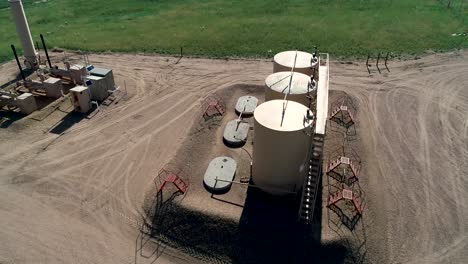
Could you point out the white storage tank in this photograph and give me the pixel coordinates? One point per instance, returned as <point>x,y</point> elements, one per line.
<point>281,144</point>
<point>304,62</point>
<point>278,85</point>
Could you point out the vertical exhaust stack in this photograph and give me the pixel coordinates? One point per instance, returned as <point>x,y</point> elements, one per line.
<point>24,34</point>
<point>17,61</point>
<point>45,49</point>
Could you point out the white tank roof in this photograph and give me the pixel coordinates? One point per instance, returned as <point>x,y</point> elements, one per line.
<point>269,115</point>
<point>286,58</point>
<point>279,82</point>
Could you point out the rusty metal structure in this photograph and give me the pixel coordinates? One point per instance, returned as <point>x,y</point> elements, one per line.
<point>213,107</point>
<point>171,173</point>
<point>348,206</point>
<point>344,165</point>
<point>342,114</point>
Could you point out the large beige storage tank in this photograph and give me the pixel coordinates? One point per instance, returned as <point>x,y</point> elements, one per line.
<point>284,61</point>
<point>280,147</point>
<point>277,85</point>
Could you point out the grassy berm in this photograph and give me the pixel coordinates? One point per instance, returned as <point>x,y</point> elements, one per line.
<point>243,27</point>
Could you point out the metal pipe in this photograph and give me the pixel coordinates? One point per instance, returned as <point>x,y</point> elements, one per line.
<point>285,102</point>
<point>255,186</point>
<point>386,59</point>
<point>45,50</point>
<point>24,33</point>
<point>367,63</point>
<point>17,61</point>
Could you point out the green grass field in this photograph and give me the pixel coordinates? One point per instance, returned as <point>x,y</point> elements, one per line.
<point>243,27</point>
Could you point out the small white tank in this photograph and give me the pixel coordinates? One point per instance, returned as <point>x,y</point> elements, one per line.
<point>281,143</point>
<point>305,63</point>
<point>277,86</point>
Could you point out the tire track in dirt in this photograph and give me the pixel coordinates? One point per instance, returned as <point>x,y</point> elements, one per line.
<point>400,113</point>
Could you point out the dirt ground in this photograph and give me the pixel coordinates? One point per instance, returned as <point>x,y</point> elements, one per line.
<point>73,188</point>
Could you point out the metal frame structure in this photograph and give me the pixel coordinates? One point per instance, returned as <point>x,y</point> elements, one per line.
<point>346,118</point>
<point>171,173</point>
<point>345,196</point>
<point>213,106</point>
<point>348,205</point>
<point>344,170</point>
<point>377,63</point>
<point>342,115</point>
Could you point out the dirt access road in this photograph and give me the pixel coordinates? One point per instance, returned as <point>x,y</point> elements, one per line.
<point>76,197</point>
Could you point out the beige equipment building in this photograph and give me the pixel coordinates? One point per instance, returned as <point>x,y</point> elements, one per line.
<point>100,83</point>
<point>25,102</point>
<point>81,99</point>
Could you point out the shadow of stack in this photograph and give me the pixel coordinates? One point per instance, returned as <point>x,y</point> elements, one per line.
<point>67,122</point>
<point>17,78</point>
<point>268,232</point>
<point>43,101</point>
<point>9,117</point>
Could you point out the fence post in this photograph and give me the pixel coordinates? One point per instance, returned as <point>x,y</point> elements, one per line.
<point>377,63</point>
<point>386,58</point>
<point>367,63</point>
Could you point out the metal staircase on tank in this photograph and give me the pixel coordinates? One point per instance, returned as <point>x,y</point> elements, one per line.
<point>312,180</point>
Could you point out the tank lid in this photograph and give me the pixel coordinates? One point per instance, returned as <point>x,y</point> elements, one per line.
<point>286,58</point>
<point>279,82</point>
<point>270,115</point>
<point>79,89</point>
